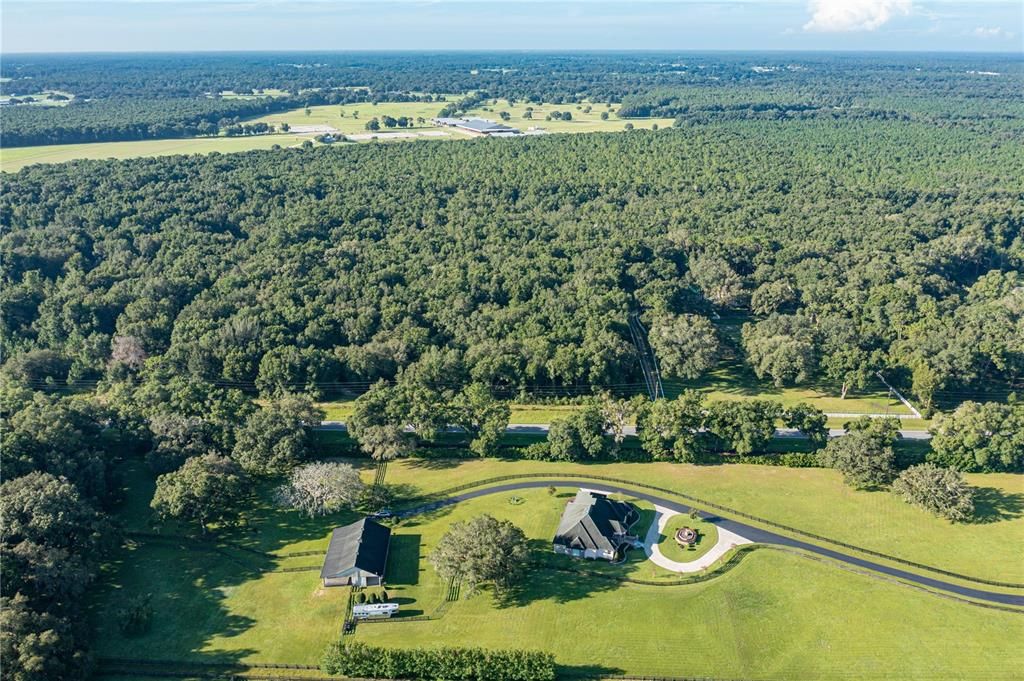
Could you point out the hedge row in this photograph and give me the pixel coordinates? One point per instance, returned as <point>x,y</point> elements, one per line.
<point>450,664</point>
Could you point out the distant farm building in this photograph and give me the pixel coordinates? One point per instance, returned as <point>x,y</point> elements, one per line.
<point>477,126</point>
<point>357,555</point>
<point>594,526</point>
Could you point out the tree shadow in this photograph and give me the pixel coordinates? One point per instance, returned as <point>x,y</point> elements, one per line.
<point>434,463</point>
<point>430,512</point>
<point>992,505</point>
<point>207,590</point>
<point>559,578</point>
<point>545,583</point>
<point>188,584</point>
<point>586,671</point>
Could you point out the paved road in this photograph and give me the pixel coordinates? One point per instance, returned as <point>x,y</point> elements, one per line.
<point>540,428</point>
<point>754,534</point>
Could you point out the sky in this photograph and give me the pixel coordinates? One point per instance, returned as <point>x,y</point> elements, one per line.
<point>268,25</point>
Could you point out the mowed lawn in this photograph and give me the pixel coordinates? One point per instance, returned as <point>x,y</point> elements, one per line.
<point>772,615</point>
<point>707,537</point>
<point>216,602</point>
<point>13,159</point>
<point>357,115</point>
<point>353,122</point>
<point>581,121</point>
<point>812,499</point>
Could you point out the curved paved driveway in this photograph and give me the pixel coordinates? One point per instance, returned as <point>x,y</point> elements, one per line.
<point>726,541</point>
<point>754,534</point>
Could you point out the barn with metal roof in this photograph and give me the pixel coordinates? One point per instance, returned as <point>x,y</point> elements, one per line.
<point>357,554</point>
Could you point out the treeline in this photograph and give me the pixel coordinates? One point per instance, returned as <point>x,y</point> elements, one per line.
<point>60,467</point>
<point>939,98</point>
<point>451,664</point>
<point>153,96</point>
<point>553,77</point>
<point>117,120</point>
<point>62,458</point>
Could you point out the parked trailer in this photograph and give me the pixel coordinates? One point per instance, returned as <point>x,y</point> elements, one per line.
<point>365,612</point>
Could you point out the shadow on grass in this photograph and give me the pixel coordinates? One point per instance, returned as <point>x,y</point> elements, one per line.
<point>588,671</point>
<point>992,505</point>
<point>545,581</point>
<point>188,586</point>
<point>552,585</point>
<point>429,515</point>
<point>195,580</point>
<point>434,463</point>
<point>643,524</point>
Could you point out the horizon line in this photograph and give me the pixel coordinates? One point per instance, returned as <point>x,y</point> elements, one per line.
<point>515,50</point>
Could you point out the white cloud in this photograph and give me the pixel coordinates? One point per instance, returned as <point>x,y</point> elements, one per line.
<point>993,32</point>
<point>853,15</point>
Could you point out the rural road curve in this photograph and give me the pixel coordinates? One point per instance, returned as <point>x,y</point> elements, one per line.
<point>754,534</point>
<point>539,428</point>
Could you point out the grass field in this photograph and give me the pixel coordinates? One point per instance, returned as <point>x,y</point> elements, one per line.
<point>811,499</point>
<point>707,537</point>
<point>330,114</point>
<point>581,121</point>
<point>14,158</point>
<point>771,616</point>
<point>774,616</point>
<point>42,98</point>
<point>863,403</point>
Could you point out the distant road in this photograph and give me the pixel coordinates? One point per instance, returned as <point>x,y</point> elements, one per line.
<point>541,428</point>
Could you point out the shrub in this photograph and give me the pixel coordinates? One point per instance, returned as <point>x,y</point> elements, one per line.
<point>538,451</point>
<point>788,459</point>
<point>450,664</point>
<point>938,490</point>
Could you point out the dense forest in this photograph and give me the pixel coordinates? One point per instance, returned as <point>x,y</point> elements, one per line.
<point>811,222</point>
<point>121,97</point>
<point>309,268</point>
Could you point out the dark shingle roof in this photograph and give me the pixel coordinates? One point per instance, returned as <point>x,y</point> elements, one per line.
<point>363,545</point>
<point>592,520</point>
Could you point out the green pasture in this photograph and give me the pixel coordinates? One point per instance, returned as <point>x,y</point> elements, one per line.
<point>357,115</point>
<point>811,499</point>
<point>13,159</point>
<point>42,98</point>
<point>581,121</point>
<point>707,537</point>
<point>771,615</point>
<point>340,410</point>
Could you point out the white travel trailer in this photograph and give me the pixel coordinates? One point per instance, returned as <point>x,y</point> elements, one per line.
<point>365,612</point>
